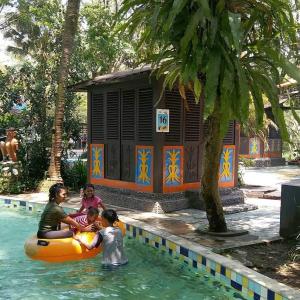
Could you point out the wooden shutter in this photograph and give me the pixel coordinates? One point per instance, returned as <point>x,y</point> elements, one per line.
<point>145,115</point>
<point>229,137</point>
<point>173,102</point>
<point>112,147</point>
<point>112,116</point>
<point>192,119</point>
<point>128,117</point>
<point>97,118</point>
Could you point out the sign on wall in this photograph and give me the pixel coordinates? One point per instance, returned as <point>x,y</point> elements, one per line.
<point>162,120</point>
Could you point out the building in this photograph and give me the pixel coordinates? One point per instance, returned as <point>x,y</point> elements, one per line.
<point>130,162</point>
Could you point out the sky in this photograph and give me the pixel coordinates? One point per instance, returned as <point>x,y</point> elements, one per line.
<point>5,58</point>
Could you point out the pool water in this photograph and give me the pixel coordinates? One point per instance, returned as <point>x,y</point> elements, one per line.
<point>148,275</point>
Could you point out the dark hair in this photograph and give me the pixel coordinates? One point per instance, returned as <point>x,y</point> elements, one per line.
<point>93,211</point>
<point>54,190</point>
<point>110,215</point>
<point>88,185</point>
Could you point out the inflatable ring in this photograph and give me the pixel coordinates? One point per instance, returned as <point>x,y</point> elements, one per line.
<point>61,250</point>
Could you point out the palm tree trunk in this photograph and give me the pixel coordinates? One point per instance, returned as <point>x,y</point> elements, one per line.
<point>70,27</point>
<point>210,177</point>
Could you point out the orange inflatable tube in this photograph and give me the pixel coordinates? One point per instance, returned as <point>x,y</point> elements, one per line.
<point>61,250</point>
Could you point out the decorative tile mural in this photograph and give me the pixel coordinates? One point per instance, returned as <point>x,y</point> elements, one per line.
<point>144,165</point>
<point>254,146</point>
<point>97,161</point>
<point>173,166</point>
<point>227,164</point>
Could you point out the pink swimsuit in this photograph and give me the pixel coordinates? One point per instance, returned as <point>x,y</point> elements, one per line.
<point>91,202</point>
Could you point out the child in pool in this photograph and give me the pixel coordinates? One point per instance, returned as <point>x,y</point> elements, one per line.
<point>110,238</point>
<point>88,200</point>
<point>88,221</point>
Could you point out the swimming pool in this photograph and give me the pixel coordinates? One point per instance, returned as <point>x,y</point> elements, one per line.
<point>149,274</point>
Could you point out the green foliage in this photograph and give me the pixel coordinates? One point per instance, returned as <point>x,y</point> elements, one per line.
<point>74,174</point>
<point>9,179</point>
<point>238,50</point>
<point>246,162</point>
<point>292,150</point>
<point>294,253</point>
<point>98,49</point>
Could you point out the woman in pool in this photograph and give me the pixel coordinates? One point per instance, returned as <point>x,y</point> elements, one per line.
<point>110,238</point>
<point>53,215</point>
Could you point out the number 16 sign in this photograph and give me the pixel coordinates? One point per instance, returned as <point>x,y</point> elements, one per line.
<point>162,120</point>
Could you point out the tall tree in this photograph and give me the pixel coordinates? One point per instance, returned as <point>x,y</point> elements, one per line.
<point>68,37</point>
<point>230,53</point>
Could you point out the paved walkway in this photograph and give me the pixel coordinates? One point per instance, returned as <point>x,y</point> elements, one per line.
<point>266,182</point>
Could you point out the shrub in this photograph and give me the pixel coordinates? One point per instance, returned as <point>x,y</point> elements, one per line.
<point>247,162</point>
<point>9,179</point>
<point>74,174</point>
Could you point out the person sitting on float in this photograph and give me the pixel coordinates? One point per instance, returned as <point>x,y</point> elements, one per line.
<point>53,215</point>
<point>10,146</point>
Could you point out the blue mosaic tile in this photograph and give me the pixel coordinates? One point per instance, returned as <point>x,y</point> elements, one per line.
<point>251,285</point>
<point>7,201</point>
<point>223,270</point>
<point>184,251</point>
<point>212,265</point>
<point>193,255</point>
<point>236,285</point>
<point>271,295</point>
<point>239,279</point>
<point>257,288</point>
<point>256,296</point>
<point>225,279</point>
<point>163,241</point>
<point>195,264</point>
<point>203,261</point>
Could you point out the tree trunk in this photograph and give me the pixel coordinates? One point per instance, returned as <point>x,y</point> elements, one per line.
<point>70,26</point>
<point>210,177</point>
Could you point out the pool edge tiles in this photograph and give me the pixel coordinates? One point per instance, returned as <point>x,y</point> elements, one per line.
<point>247,282</point>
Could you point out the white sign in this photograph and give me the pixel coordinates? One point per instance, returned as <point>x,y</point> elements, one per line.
<point>162,120</point>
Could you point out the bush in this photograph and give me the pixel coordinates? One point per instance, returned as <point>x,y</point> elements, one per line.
<point>295,252</point>
<point>74,174</point>
<point>9,179</point>
<point>246,162</point>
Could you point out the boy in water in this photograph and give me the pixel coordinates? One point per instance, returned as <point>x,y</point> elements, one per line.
<point>110,238</point>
